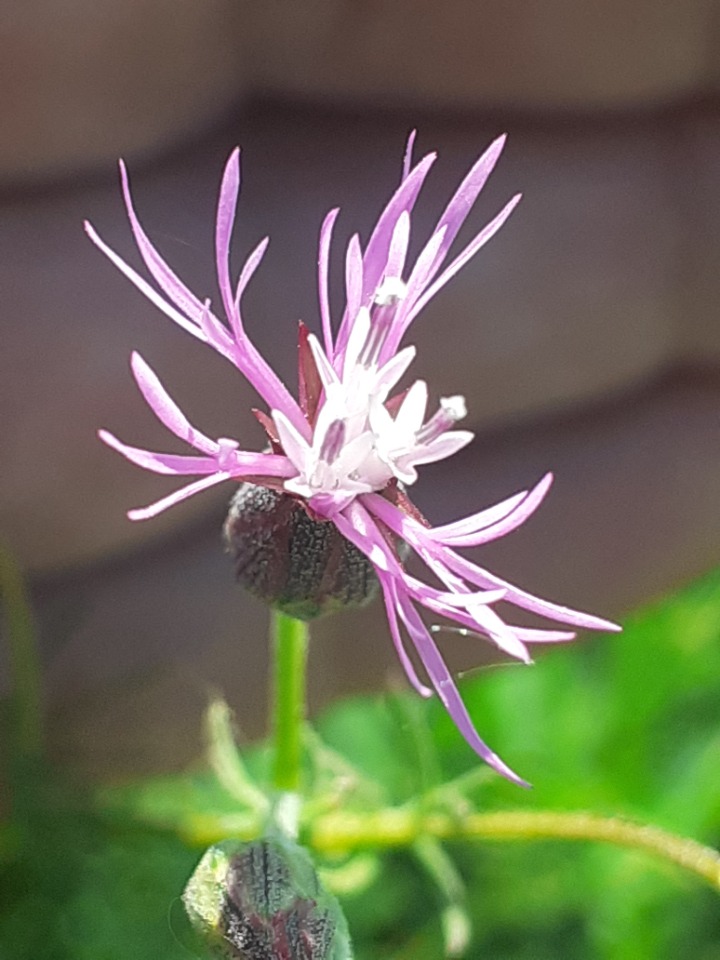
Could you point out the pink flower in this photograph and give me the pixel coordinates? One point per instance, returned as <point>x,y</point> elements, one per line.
<point>349,446</point>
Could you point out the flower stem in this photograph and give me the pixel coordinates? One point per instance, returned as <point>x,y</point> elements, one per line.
<point>343,832</point>
<point>290,643</point>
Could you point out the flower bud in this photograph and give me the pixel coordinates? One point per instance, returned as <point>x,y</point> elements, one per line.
<point>293,562</point>
<point>263,901</point>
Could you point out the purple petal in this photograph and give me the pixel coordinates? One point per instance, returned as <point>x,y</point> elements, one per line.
<point>407,158</point>
<point>247,357</point>
<point>143,286</point>
<point>398,246</point>
<point>390,597</point>
<point>457,210</point>
<point>323,279</point>
<point>376,252</point>
<point>145,513</point>
<point>249,268</point>
<point>168,281</point>
<point>227,203</point>
<point>511,521</point>
<point>476,521</point>
<point>446,690</point>
<point>353,297</point>
<point>532,635</point>
<point>165,408</point>
<point>521,598</point>
<point>459,262</point>
<point>166,463</point>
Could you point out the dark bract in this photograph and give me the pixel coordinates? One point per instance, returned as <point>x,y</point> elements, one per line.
<point>293,562</point>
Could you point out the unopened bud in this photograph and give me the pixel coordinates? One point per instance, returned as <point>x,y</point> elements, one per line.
<point>295,563</point>
<point>264,901</point>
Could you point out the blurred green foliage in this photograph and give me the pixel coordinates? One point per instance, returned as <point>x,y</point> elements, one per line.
<point>626,724</point>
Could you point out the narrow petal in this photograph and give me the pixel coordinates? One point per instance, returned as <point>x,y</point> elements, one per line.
<point>390,597</point>
<point>325,369</point>
<point>504,525</point>
<point>144,287</point>
<point>407,158</point>
<point>323,279</point>
<point>246,274</point>
<point>293,443</point>
<point>411,413</point>
<point>448,693</point>
<point>532,635</point>
<point>165,408</point>
<point>398,246</point>
<point>457,210</point>
<point>247,357</point>
<point>476,521</point>
<point>523,599</point>
<point>440,448</point>
<point>227,204</point>
<point>389,374</point>
<point>354,299</point>
<point>376,252</point>
<point>145,513</point>
<point>166,463</point>
<point>168,281</point>
<point>467,254</point>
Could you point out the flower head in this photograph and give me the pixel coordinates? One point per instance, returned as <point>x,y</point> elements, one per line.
<point>350,445</point>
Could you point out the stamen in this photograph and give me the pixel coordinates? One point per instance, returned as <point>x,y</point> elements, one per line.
<point>390,291</point>
<point>451,410</point>
<point>387,296</point>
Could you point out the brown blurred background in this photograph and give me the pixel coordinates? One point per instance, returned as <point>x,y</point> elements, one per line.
<point>585,337</point>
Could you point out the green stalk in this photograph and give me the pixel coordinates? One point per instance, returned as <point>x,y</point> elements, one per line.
<point>289,701</point>
<point>344,832</point>
<point>24,662</point>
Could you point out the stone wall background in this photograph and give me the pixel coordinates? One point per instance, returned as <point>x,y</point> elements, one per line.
<point>585,337</point>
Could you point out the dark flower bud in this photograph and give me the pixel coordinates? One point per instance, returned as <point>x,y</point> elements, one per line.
<point>300,565</point>
<point>263,901</point>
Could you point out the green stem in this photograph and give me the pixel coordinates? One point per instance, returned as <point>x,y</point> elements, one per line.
<point>290,643</point>
<point>344,832</point>
<point>24,663</point>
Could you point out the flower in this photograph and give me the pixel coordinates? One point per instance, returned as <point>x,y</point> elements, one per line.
<point>348,447</point>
